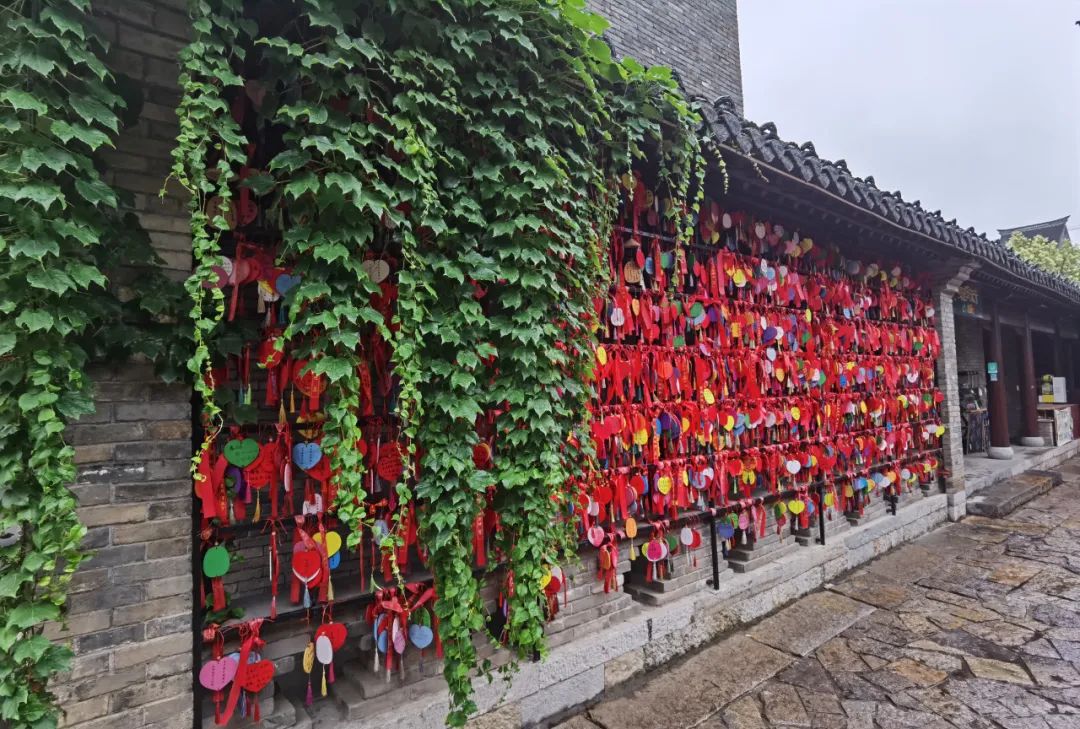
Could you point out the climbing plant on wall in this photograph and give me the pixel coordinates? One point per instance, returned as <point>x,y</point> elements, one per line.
<point>488,139</point>
<point>61,238</point>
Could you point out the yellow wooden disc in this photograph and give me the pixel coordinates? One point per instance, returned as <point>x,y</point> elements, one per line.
<point>631,527</point>
<point>601,355</point>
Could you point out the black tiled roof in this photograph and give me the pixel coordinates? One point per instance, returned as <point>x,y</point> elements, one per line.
<point>761,142</point>
<point>1055,230</point>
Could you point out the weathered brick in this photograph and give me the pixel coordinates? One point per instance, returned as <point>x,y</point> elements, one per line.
<point>93,453</point>
<point>117,555</point>
<point>110,595</point>
<point>108,389</point>
<point>125,161</point>
<point>180,721</point>
<point>173,665</point>
<point>110,433</point>
<point>172,23</point>
<point>153,451</point>
<point>151,609</point>
<point>96,538</point>
<point>80,711</point>
<point>170,430</point>
<point>84,580</point>
<point>164,392</point>
<point>79,625</point>
<point>152,411</point>
<point>162,688</point>
<point>168,548</point>
<point>92,494</point>
<point>100,685</point>
<point>176,259</point>
<point>136,12</point>
<point>179,468</point>
<point>151,570</point>
<point>166,509</point>
<point>155,222</point>
<point>109,638</point>
<point>169,625</point>
<point>112,473</point>
<point>152,650</point>
<point>130,719</point>
<point>82,667</point>
<point>167,708</point>
<point>103,413</point>
<point>128,492</point>
<point>147,42</point>
<point>149,531</point>
<point>92,516</point>
<point>166,586</point>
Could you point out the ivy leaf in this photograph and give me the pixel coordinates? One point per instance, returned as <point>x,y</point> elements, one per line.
<point>335,368</point>
<point>10,584</point>
<point>93,111</point>
<point>345,182</point>
<point>30,614</point>
<point>36,61</point>
<point>34,320</point>
<point>7,343</point>
<point>55,159</point>
<point>63,23</point>
<point>36,248</point>
<point>23,101</point>
<point>96,192</point>
<point>84,274</point>
<point>42,193</point>
<point>65,132</point>
<point>50,279</point>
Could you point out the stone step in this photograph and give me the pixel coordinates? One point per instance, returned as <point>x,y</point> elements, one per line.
<point>833,527</point>
<point>648,595</point>
<point>748,561</point>
<point>1006,496</point>
<point>353,704</point>
<point>275,709</point>
<point>698,574</point>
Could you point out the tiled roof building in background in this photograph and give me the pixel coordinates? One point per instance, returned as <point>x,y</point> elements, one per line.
<point>1053,230</point>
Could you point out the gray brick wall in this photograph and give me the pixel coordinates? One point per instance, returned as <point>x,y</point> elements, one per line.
<point>698,38</point>
<point>948,383</point>
<point>130,605</point>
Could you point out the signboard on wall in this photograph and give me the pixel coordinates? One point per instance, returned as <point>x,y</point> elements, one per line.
<point>966,301</point>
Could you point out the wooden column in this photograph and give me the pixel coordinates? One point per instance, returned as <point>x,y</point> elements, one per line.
<point>1029,391</point>
<point>998,403</point>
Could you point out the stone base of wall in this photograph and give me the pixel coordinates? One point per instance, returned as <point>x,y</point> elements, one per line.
<point>580,671</point>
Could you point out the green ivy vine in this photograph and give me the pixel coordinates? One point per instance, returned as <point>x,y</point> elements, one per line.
<point>486,137</point>
<point>62,239</point>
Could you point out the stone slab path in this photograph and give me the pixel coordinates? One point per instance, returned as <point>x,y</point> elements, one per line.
<point>975,625</point>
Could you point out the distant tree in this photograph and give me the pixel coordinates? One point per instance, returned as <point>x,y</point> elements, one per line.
<point>1063,258</point>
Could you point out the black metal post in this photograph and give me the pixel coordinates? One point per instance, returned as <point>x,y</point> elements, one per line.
<point>821,512</point>
<point>715,582</point>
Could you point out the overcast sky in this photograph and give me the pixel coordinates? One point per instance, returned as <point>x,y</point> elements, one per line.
<point>970,106</point>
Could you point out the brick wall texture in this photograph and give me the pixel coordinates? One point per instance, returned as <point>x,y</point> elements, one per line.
<point>130,605</point>
<point>698,38</point>
<point>948,382</point>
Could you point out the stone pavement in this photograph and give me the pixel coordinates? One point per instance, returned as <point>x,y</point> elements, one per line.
<point>976,624</point>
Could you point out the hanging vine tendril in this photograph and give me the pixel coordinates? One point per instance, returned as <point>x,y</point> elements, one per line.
<point>62,234</point>
<point>487,138</point>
